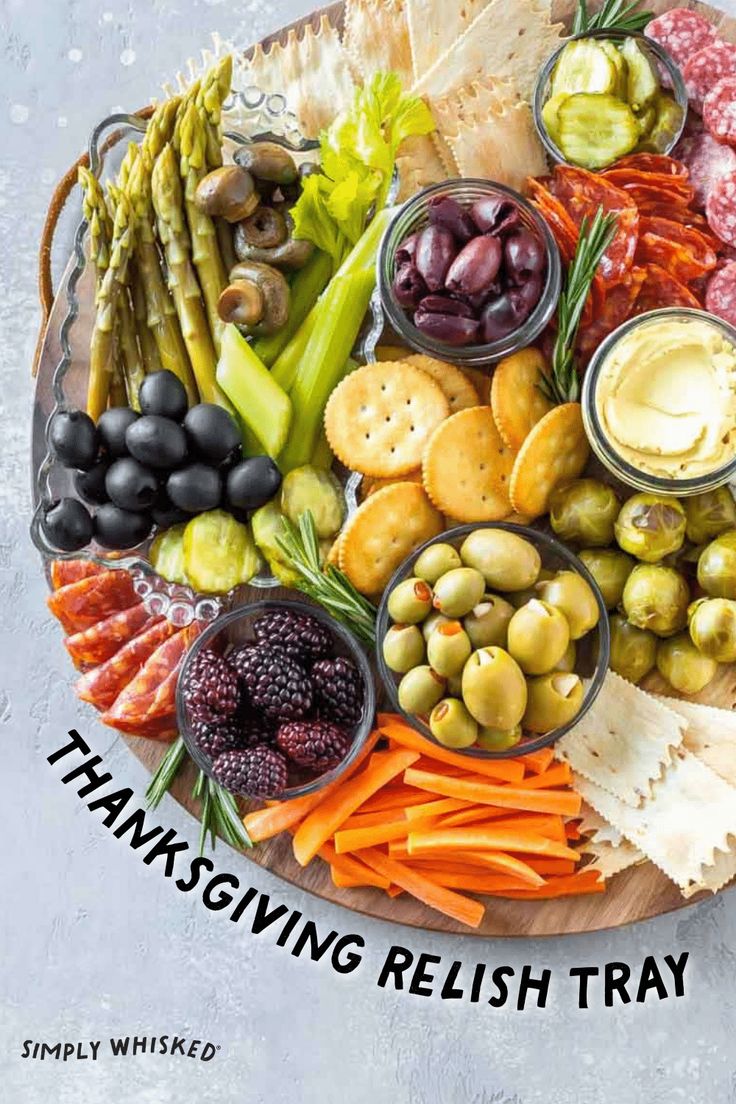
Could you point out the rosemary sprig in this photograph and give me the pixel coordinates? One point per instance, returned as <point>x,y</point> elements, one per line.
<point>613,15</point>
<point>563,385</point>
<point>329,587</point>
<point>166,772</point>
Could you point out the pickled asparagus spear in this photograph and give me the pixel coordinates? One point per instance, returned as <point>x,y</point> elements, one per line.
<point>213,91</point>
<point>99,221</point>
<point>128,354</point>
<point>101,362</point>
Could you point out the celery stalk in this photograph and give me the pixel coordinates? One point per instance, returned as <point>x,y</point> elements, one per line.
<point>306,288</point>
<point>263,406</point>
<point>286,366</point>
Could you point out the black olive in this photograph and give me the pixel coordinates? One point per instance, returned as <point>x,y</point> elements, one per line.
<point>252,483</point>
<point>195,488</point>
<point>157,441</point>
<point>130,485</point>
<point>163,393</point>
<point>212,433</point>
<point>164,513</point>
<point>112,426</point>
<point>116,528</point>
<point>67,525</point>
<point>73,439</point>
<point>90,485</point>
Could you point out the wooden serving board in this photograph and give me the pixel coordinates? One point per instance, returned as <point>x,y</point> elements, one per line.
<point>636,894</point>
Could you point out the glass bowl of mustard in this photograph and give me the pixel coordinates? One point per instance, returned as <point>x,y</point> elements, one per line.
<point>659,402</point>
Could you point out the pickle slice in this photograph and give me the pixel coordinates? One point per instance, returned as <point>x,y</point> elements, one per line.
<point>666,125</point>
<point>596,129</point>
<point>642,84</point>
<point>645,120</point>
<point>219,552</point>
<point>167,555</point>
<point>549,116</point>
<point>619,63</point>
<point>583,66</point>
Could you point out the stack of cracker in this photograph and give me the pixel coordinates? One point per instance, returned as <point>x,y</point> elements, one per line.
<point>659,778</point>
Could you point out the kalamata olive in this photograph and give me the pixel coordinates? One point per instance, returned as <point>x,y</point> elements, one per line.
<point>451,329</point>
<point>475,266</point>
<point>408,285</point>
<point>443,304</point>
<point>486,212</point>
<point>523,255</point>
<point>499,317</point>
<point>447,212</point>
<point>526,297</point>
<point>509,220</point>
<point>435,252</point>
<point>406,250</point>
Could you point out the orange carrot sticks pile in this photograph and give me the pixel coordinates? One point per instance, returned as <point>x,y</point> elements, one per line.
<point>416,818</point>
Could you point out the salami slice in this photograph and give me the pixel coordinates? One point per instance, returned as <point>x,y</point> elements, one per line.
<point>64,572</point>
<point>697,245</point>
<point>658,163</point>
<point>720,294</point>
<point>705,68</point>
<point>719,110</point>
<point>563,228</point>
<point>617,306</point>
<point>102,685</point>
<point>82,604</point>
<point>707,160</point>
<point>681,33</point>
<point>660,289</point>
<point>582,193</point>
<point>720,209</point>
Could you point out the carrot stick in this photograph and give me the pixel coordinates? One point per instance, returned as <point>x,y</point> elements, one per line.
<point>476,882</point>
<point>582,882</point>
<point>436,808</point>
<point>347,871</point>
<point>564,802</point>
<point>536,761</point>
<point>495,862</point>
<point>394,891</point>
<point>572,830</point>
<point>471,813</point>
<point>551,866</point>
<point>322,822</point>
<point>354,839</point>
<point>392,797</point>
<point>505,770</point>
<point>542,823</point>
<point>558,775</point>
<point>446,901</point>
<point>486,838</point>
<point>489,859</point>
<point>368,820</point>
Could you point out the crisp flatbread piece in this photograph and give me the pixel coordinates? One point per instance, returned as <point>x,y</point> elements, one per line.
<point>594,828</point>
<point>433,24</point>
<point>624,741</point>
<point>376,37</point>
<point>311,68</point>
<point>710,734</point>
<point>509,39</point>
<point>490,132</point>
<point>686,827</point>
<point>611,858</point>
<point>418,164</point>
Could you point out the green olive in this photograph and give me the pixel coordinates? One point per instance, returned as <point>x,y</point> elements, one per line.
<point>568,658</point>
<point>403,648</point>
<point>420,689</point>
<point>686,669</point>
<point>554,700</point>
<point>717,567</point>
<point>455,685</point>
<point>709,514</point>
<point>610,569</point>
<point>712,623</point>
<point>655,597</point>
<point>498,739</point>
<point>633,650</point>
<point>410,602</point>
<point>448,648</point>
<point>519,598</point>
<point>488,622</point>
<point>506,560</point>
<point>433,622</point>
<point>435,561</point>
<point>583,511</point>
<point>538,637</point>
<point>451,724</point>
<point>651,527</point>
<point>458,591</point>
<point>494,688</point>
<point>570,594</point>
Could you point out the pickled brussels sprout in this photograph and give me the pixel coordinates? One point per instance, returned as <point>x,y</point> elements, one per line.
<point>717,567</point>
<point>633,650</point>
<point>709,514</point>
<point>584,512</point>
<point>488,622</point>
<point>458,591</point>
<point>410,601</point>
<point>553,700</point>
<point>420,689</point>
<point>651,527</point>
<point>538,636</point>
<point>494,688</point>
<point>435,561</point>
<point>451,724</point>
<point>498,739</point>
<point>506,560</point>
<point>686,669</point>
<point>403,648</point>
<point>712,623</point>
<point>656,597</point>
<point>267,524</point>
<point>610,569</point>
<point>570,594</point>
<point>447,649</point>
<point>219,552</point>
<point>316,490</point>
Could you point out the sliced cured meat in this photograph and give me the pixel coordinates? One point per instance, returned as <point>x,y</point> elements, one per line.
<point>667,184</point>
<point>96,644</point>
<point>698,245</point>
<point>660,289</point>
<point>82,604</point>
<point>707,160</point>
<point>582,193</point>
<point>617,306</point>
<point>658,163</point>
<point>102,685</point>
<point>671,255</point>
<point>720,210</point>
<point>706,68</point>
<point>681,33</point>
<point>63,572</point>
<point>719,110</point>
<point>647,197</point>
<point>720,294</point>
<point>563,228</point>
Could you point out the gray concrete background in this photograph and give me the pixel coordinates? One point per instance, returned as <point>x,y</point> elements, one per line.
<point>93,943</point>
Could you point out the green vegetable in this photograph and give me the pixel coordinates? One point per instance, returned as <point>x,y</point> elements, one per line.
<point>219,552</point>
<point>306,287</point>
<point>667,120</point>
<point>260,402</point>
<point>316,490</point>
<point>584,66</point>
<point>267,524</point>
<point>167,555</point>
<point>613,15</point>
<point>595,129</point>
<point>286,366</point>
<point>642,83</point>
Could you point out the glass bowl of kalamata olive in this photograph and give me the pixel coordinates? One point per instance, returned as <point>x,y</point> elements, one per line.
<point>468,271</point>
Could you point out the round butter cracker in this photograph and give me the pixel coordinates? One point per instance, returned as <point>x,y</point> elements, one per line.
<point>516,397</point>
<point>456,387</point>
<point>556,450</point>
<point>467,467</point>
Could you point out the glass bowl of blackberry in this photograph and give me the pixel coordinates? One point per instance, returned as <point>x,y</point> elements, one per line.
<point>275,700</point>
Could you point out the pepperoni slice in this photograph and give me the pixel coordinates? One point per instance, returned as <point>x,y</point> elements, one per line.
<point>720,210</point>
<point>707,160</point>
<point>699,245</point>
<point>650,163</point>
<point>719,110</point>
<point>63,572</point>
<point>563,228</point>
<point>668,184</point>
<point>582,193</point>
<point>720,294</point>
<point>618,305</point>
<point>103,684</point>
<point>706,68</point>
<point>96,644</point>
<point>681,33</point>
<point>671,255</point>
<point>82,604</point>
<point>660,289</point>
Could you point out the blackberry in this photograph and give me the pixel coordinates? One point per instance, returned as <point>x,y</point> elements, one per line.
<point>256,772</point>
<point>320,745</point>
<point>276,685</point>
<point>302,636</point>
<point>213,740</point>
<point>212,692</point>
<point>338,690</point>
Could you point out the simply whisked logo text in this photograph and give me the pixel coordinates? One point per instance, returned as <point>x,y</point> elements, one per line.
<point>124,1046</point>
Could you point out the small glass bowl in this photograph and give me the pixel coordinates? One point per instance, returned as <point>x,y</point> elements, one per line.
<point>665,62</point>
<point>234,628</point>
<point>412,216</point>
<point>593,650</point>
<point>602,447</point>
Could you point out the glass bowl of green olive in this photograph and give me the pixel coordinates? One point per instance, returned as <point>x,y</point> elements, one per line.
<point>492,639</point>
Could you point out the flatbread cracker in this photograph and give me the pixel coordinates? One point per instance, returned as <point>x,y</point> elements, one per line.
<point>490,132</point>
<point>380,417</point>
<point>312,70</point>
<point>710,734</point>
<point>610,858</point>
<point>433,24</point>
<point>418,164</point>
<point>466,467</point>
<point>455,385</point>
<point>510,39</point>
<point>516,397</point>
<point>383,531</point>
<point>376,37</point>
<point>624,742</point>
<point>556,450</point>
